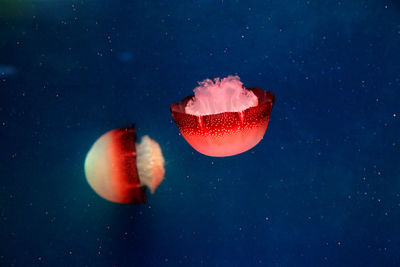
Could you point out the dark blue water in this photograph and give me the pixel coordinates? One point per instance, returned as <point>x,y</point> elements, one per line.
<point>321,189</point>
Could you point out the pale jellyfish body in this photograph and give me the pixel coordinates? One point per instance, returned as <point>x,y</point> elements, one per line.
<point>117,168</point>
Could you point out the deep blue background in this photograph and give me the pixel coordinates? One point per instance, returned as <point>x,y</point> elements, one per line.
<point>321,189</point>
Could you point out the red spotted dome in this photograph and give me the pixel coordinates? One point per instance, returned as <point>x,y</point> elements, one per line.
<point>227,133</point>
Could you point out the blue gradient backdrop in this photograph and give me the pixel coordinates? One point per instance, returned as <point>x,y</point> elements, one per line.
<point>321,189</point>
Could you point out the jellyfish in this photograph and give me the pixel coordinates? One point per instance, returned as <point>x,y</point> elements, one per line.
<point>117,168</point>
<point>223,118</point>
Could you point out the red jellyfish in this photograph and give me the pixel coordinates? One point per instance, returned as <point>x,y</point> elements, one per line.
<point>223,118</point>
<point>118,169</point>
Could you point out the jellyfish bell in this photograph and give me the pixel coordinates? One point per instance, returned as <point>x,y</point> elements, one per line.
<point>223,118</point>
<point>117,168</point>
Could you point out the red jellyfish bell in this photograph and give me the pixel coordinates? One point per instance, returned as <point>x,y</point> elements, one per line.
<point>223,118</point>
<point>117,168</point>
